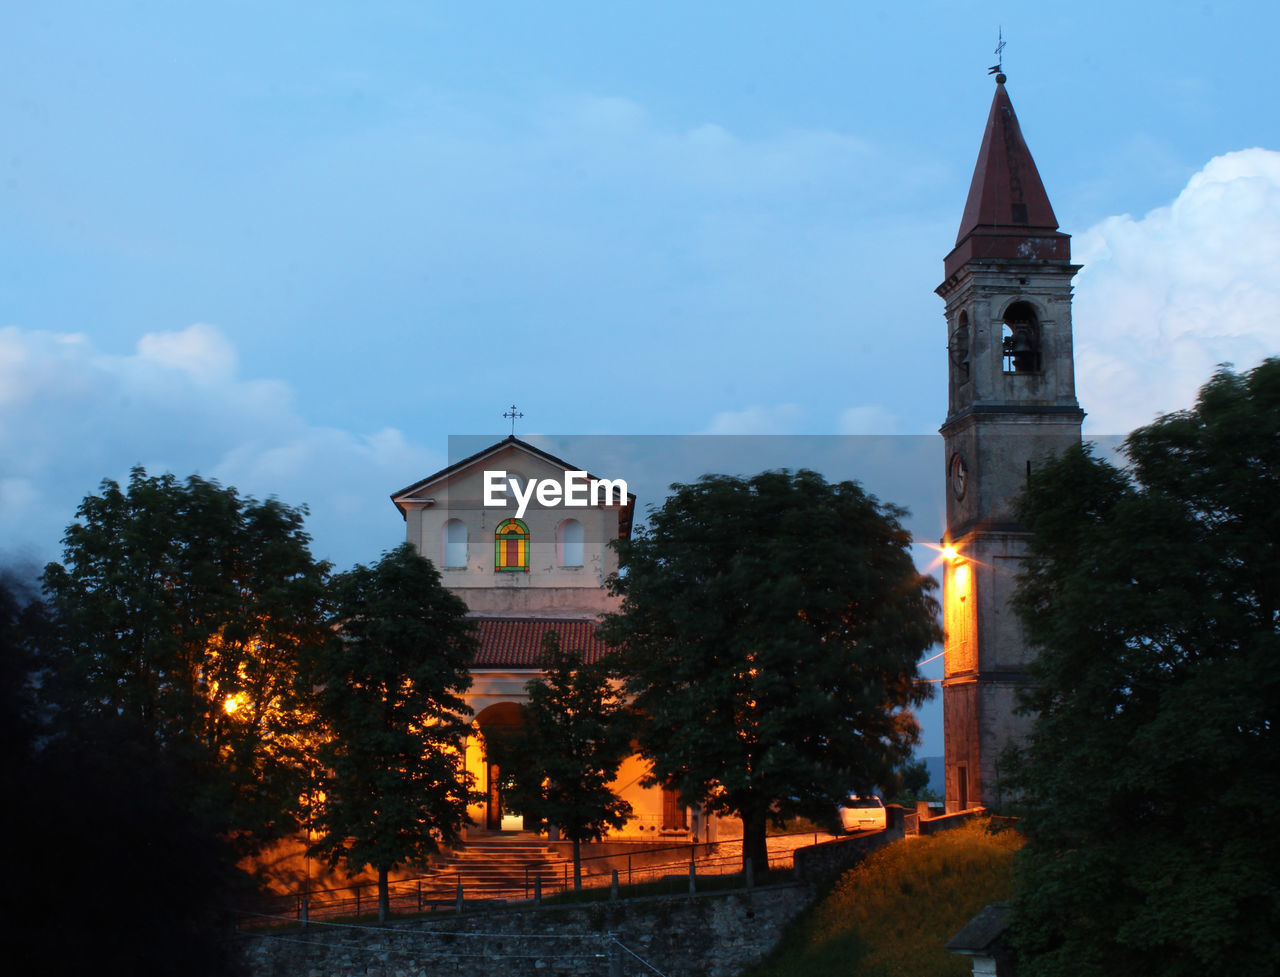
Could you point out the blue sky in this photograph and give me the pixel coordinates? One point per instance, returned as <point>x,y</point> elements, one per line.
<point>297,246</point>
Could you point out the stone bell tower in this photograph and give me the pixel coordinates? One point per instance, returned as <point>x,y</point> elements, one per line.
<point>1011,402</point>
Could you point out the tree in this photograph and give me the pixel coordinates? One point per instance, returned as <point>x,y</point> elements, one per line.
<point>390,681</point>
<point>909,784</point>
<point>21,619</point>
<point>106,872</point>
<point>769,632</point>
<point>567,750</point>
<point>1150,778</point>
<point>182,609</point>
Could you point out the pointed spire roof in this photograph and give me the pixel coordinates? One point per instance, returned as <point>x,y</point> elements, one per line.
<point>1008,214</point>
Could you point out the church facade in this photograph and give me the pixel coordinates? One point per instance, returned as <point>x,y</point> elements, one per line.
<point>1011,403</point>
<point>522,574</point>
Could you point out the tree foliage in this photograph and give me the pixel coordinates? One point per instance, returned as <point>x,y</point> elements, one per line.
<point>567,750</point>
<point>22,618</point>
<point>1151,776</point>
<point>182,608</point>
<point>909,784</point>
<point>106,871</point>
<point>389,685</point>
<point>769,632</point>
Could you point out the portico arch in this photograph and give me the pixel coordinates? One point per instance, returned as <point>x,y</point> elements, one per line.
<point>499,719</point>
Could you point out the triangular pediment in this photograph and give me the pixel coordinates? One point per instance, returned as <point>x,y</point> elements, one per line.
<point>462,483</point>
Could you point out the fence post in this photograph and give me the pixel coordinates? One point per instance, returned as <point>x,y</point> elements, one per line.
<point>613,886</point>
<point>693,877</point>
<point>615,958</point>
<point>459,895</point>
<point>357,900</point>
<point>419,895</point>
<point>537,890</point>
<point>302,910</point>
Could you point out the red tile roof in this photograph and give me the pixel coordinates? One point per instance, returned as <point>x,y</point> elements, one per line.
<point>516,642</point>
<point>1007,213</point>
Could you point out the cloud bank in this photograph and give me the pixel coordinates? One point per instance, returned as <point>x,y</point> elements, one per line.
<point>1164,299</point>
<point>72,415</point>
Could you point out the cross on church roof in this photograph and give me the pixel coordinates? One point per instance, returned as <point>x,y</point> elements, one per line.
<point>513,414</point>
<point>997,69</point>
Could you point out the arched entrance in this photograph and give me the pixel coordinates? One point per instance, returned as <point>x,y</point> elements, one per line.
<point>499,719</point>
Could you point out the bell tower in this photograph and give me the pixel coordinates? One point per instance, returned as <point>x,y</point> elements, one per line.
<point>1011,402</point>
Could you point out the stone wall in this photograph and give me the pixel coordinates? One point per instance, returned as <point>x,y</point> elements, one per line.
<point>948,821</point>
<point>824,863</point>
<point>715,935</point>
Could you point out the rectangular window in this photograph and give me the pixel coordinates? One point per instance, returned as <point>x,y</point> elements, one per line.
<point>674,814</point>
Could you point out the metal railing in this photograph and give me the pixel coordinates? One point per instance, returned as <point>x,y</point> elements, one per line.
<point>671,864</point>
<point>449,890</point>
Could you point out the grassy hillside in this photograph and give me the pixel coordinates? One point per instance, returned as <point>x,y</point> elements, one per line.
<point>890,916</point>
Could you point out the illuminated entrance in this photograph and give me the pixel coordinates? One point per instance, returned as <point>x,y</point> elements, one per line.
<point>500,719</point>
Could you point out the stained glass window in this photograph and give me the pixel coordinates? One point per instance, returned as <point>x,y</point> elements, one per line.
<point>511,546</point>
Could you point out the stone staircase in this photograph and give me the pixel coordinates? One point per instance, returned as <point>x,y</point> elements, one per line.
<point>498,869</point>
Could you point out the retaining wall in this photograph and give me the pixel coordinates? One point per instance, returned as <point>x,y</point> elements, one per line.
<point>716,935</point>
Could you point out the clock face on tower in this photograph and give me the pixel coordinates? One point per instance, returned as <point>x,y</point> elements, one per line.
<point>959,475</point>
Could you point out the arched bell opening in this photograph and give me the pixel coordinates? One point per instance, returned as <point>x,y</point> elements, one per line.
<point>1021,339</point>
<point>496,721</point>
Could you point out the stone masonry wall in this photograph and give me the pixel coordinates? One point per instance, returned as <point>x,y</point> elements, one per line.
<point>705,936</point>
<point>824,863</point>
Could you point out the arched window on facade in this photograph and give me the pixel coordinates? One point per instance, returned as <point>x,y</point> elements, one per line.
<point>569,543</point>
<point>511,546</point>
<point>455,543</point>
<point>1021,339</point>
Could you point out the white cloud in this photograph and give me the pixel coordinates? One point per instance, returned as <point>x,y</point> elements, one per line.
<point>72,415</point>
<point>778,419</point>
<point>1164,299</point>
<point>199,351</point>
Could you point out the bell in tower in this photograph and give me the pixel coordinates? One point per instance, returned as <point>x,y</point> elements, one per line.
<point>1021,340</point>
<point>1011,403</point>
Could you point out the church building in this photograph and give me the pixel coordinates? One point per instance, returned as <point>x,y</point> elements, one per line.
<point>1011,403</point>
<point>522,574</point>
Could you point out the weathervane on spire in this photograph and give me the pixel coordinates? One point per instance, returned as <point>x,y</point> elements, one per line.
<point>513,414</point>
<point>997,69</point>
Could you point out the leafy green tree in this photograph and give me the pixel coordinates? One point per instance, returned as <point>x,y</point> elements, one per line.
<point>390,684</point>
<point>769,631</point>
<point>182,608</point>
<point>910,783</point>
<point>1150,779</point>
<point>567,751</point>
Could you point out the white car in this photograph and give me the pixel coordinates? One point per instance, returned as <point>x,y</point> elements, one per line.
<point>863,814</point>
